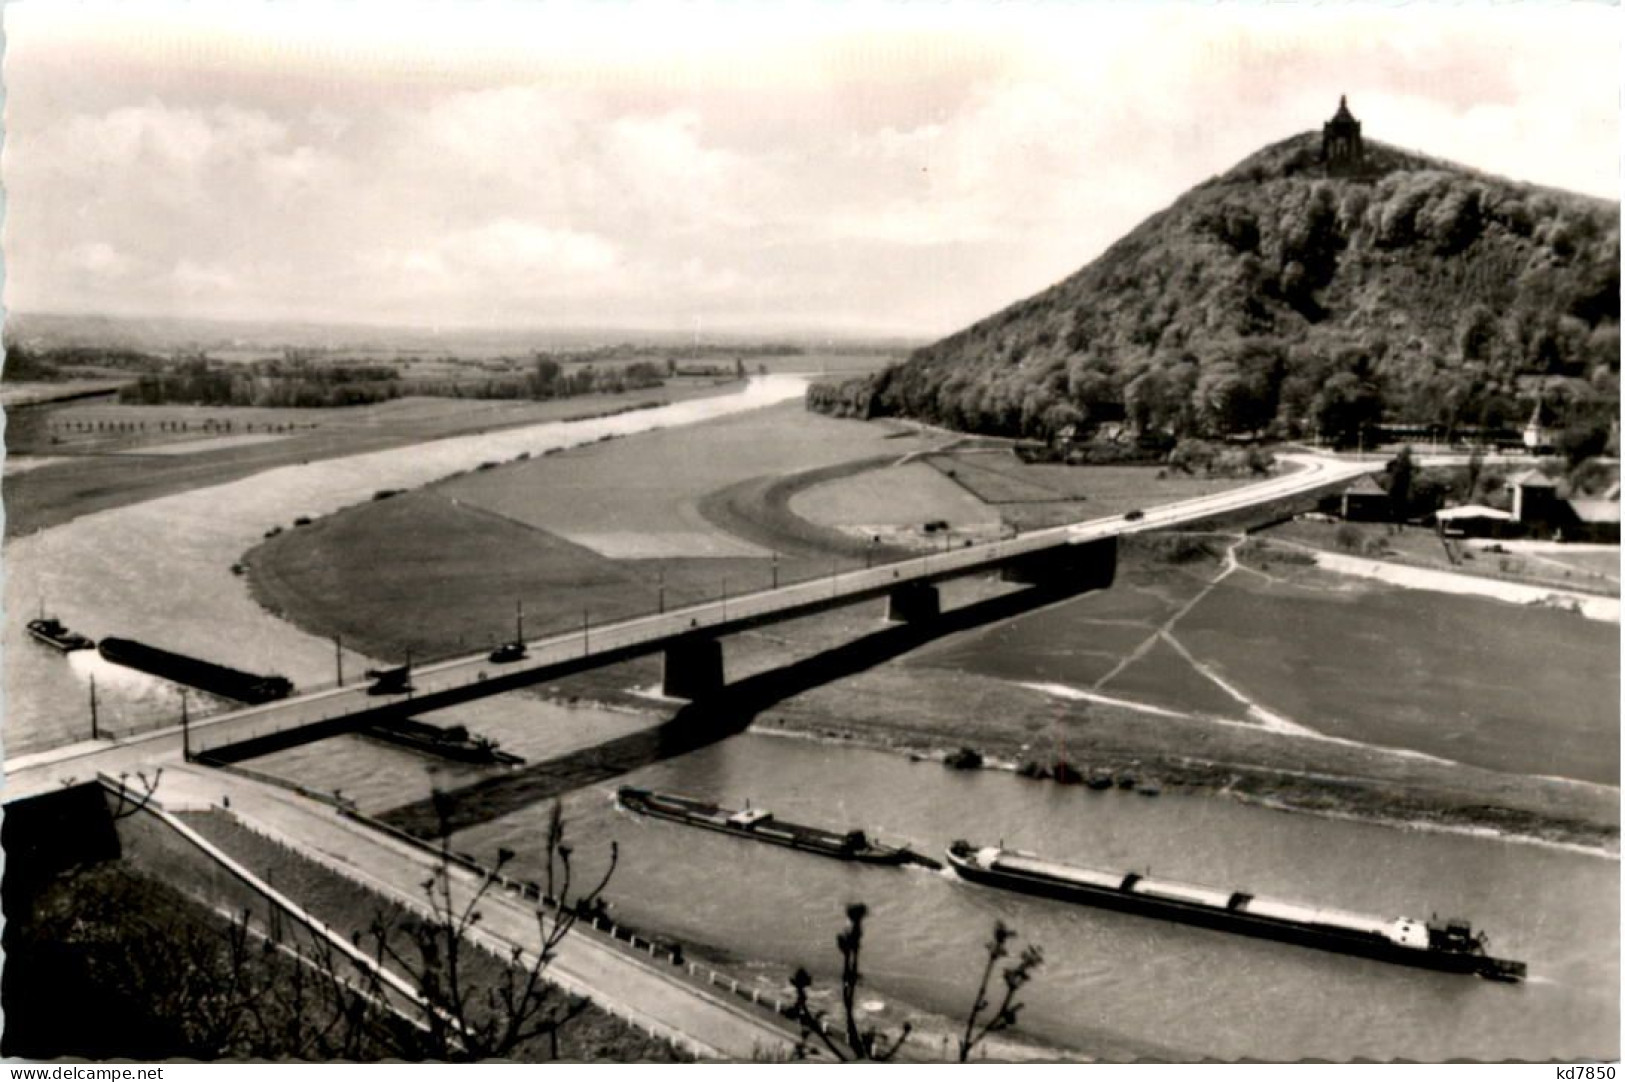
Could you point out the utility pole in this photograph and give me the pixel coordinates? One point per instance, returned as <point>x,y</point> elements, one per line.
<point>519,619</point>
<point>775,571</point>
<point>186,730</point>
<point>338,657</point>
<point>660,587</point>
<point>94,734</point>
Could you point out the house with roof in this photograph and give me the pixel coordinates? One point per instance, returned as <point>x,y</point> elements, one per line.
<point>1365,501</point>
<point>1537,512</point>
<point>1473,520</point>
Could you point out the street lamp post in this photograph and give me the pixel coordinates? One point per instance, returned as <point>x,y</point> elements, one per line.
<point>586,634</point>
<point>186,730</point>
<point>94,735</point>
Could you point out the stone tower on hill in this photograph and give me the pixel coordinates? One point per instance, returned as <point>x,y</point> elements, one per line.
<point>1341,148</point>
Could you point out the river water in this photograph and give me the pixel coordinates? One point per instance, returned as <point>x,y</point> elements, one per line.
<point>1111,980</point>
<point>160,571</point>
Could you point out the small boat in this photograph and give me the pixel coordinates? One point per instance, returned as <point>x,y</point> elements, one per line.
<point>49,630</point>
<point>759,824</point>
<point>1451,945</point>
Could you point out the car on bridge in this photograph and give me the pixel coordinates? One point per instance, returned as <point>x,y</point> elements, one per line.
<point>508,651</point>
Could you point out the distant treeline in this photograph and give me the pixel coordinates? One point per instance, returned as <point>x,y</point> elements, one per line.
<point>26,364</point>
<point>284,384</point>
<point>302,384</point>
<point>694,351</point>
<point>548,379</point>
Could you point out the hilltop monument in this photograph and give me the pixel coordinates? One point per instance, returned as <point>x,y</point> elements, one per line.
<point>1342,149</point>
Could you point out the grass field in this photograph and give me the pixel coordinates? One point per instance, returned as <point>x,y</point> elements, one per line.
<point>1446,676</point>
<point>438,570</point>
<point>897,498</point>
<point>641,498</point>
<point>1032,496</point>
<point>422,574</point>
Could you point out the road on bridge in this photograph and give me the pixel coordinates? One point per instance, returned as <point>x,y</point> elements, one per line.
<point>48,770</point>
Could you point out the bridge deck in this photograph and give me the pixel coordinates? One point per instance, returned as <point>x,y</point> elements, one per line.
<point>460,679</point>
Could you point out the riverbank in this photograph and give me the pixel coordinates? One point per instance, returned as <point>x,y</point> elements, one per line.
<point>148,463</point>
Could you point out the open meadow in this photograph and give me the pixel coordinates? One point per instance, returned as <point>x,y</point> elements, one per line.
<point>641,499</point>
<point>1313,655</point>
<point>600,532</point>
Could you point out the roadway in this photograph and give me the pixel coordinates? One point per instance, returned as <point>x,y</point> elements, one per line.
<point>460,679</point>
<point>657,997</point>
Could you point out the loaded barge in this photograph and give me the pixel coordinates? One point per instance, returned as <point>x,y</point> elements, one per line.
<point>1450,946</point>
<point>455,742</point>
<point>760,825</point>
<point>245,687</point>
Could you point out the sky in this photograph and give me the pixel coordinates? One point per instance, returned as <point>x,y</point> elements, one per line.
<point>843,168</point>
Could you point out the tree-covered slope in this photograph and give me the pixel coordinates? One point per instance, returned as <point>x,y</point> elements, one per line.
<point>1276,298</point>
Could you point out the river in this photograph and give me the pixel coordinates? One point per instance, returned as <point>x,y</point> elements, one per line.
<point>1111,980</point>
<point>160,571</point>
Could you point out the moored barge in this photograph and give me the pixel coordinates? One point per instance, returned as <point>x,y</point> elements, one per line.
<point>1450,946</point>
<point>245,687</point>
<point>760,825</point>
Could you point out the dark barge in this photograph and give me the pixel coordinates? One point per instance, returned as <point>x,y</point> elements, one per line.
<point>758,824</point>
<point>244,687</point>
<point>454,742</point>
<point>1450,946</point>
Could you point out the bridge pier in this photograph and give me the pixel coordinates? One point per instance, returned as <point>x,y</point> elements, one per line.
<point>1089,566</point>
<point>913,603</point>
<point>692,668</point>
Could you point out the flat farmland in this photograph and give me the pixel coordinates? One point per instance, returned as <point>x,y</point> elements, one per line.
<point>640,498</point>
<point>423,574</point>
<point>905,495</point>
<point>1379,667</point>
<point>600,532</point>
<point>1032,496</point>
<point>1450,676</point>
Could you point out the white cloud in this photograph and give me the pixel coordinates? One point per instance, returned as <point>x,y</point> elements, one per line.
<point>897,166</point>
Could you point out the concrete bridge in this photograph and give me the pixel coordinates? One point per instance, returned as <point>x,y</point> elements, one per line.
<point>1083,555</point>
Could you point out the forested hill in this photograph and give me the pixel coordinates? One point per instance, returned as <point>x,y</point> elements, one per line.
<point>1277,299</point>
